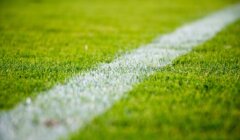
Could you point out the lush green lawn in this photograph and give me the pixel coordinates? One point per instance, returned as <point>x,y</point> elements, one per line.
<point>197,97</point>
<point>43,42</point>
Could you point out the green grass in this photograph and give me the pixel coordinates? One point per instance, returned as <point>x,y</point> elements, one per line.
<point>197,97</point>
<point>44,42</point>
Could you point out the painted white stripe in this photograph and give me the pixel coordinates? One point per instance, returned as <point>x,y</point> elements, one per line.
<point>65,108</point>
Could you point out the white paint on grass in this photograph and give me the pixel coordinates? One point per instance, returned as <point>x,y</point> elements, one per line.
<point>67,107</point>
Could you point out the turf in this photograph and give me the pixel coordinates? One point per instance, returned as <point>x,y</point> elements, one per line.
<point>44,42</point>
<point>197,97</point>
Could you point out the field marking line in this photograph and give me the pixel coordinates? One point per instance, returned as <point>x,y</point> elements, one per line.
<point>66,108</point>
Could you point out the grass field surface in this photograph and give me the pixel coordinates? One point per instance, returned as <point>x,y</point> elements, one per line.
<point>45,42</point>
<point>197,97</point>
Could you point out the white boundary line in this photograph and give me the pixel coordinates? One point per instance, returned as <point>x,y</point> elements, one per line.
<point>65,108</point>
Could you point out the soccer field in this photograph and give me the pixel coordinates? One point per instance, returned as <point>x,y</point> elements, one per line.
<point>44,45</point>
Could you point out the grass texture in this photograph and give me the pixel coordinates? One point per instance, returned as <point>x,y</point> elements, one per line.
<point>44,42</point>
<point>197,97</point>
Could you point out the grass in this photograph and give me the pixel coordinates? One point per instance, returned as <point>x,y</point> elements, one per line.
<point>197,97</point>
<point>44,42</point>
